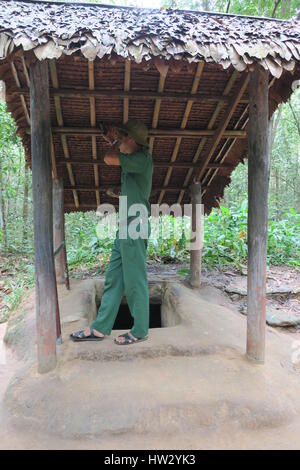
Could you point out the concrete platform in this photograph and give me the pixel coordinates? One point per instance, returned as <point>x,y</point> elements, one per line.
<point>183,320</point>
<point>189,385</point>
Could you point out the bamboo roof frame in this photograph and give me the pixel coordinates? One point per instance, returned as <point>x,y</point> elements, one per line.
<point>183,153</point>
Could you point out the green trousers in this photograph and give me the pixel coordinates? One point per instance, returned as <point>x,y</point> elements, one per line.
<point>126,273</point>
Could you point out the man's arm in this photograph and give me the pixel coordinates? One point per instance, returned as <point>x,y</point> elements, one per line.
<point>129,163</point>
<point>111,157</point>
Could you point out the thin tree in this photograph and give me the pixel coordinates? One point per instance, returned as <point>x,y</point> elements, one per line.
<point>25,207</point>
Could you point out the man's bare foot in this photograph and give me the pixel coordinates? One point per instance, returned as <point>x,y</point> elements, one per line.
<point>121,339</point>
<point>87,332</point>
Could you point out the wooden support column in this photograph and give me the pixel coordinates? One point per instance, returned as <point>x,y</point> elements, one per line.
<point>258,181</point>
<point>59,241</point>
<point>59,229</point>
<point>45,286</point>
<point>196,238</point>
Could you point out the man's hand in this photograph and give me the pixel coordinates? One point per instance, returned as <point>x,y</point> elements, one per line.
<point>111,157</point>
<point>111,136</point>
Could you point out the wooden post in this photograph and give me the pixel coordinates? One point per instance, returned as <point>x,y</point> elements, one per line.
<point>67,280</point>
<point>258,181</point>
<point>196,238</point>
<point>61,265</point>
<point>57,317</point>
<point>59,229</point>
<point>60,259</point>
<point>46,296</point>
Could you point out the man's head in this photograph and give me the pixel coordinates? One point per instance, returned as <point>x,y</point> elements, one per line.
<point>134,136</point>
<point>128,145</point>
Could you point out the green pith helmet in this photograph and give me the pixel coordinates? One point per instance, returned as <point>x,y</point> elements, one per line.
<point>137,130</point>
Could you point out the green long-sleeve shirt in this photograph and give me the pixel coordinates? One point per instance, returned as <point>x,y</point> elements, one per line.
<point>136,177</point>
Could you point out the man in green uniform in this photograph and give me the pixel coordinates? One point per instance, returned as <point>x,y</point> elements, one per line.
<point>126,272</point>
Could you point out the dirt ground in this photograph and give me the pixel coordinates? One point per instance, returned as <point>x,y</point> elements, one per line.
<point>189,386</point>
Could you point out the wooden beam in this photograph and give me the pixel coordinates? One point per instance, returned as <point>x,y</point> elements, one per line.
<point>22,98</point>
<point>219,134</point>
<point>53,159</point>
<point>25,71</point>
<point>46,293</point>
<point>58,240</point>
<point>210,126</point>
<point>82,206</point>
<point>161,133</point>
<point>52,153</point>
<point>184,121</point>
<point>161,85</point>
<point>126,89</point>
<point>196,230</point>
<point>137,95</point>
<point>258,182</point>
<point>93,124</point>
<point>87,162</point>
<point>59,228</point>
<point>60,122</point>
<point>106,186</point>
<point>220,158</point>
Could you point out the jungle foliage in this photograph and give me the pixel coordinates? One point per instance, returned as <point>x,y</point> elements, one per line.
<point>225,229</point>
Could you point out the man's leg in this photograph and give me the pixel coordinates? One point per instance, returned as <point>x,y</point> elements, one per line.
<point>133,254</point>
<point>112,294</point>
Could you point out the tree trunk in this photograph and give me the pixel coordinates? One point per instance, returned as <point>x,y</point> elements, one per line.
<point>25,207</point>
<point>285,10</point>
<point>2,213</point>
<point>277,193</point>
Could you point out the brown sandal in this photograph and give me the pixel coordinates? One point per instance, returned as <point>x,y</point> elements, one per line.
<point>80,336</point>
<point>130,340</point>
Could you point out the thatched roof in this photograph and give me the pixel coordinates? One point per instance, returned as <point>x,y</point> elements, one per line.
<point>53,29</point>
<point>184,73</point>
